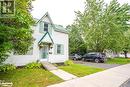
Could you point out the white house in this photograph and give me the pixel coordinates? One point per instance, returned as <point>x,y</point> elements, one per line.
<point>51,44</point>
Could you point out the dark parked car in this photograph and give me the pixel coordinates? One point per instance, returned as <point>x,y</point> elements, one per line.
<point>94,56</point>
<point>75,57</point>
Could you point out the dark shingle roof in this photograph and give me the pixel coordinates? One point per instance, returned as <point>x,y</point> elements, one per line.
<point>60,28</point>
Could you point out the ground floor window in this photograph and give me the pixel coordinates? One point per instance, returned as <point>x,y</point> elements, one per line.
<point>59,49</point>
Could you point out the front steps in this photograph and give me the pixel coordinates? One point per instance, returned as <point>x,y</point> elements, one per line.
<point>49,66</point>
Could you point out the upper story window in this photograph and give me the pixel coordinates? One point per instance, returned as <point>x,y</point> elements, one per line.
<point>45,26</point>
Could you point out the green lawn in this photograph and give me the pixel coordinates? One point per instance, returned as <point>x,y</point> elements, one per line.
<point>118,61</point>
<point>80,70</point>
<point>30,77</point>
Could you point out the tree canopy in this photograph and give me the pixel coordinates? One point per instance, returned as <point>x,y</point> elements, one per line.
<point>103,26</point>
<point>15,32</point>
<point>76,43</point>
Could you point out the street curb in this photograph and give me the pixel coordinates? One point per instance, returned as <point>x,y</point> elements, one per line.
<point>123,85</point>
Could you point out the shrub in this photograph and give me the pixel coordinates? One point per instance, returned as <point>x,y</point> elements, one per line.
<point>7,67</point>
<point>68,63</point>
<point>33,65</point>
<point>55,64</point>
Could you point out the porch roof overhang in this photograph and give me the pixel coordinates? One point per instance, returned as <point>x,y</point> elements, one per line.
<point>47,39</point>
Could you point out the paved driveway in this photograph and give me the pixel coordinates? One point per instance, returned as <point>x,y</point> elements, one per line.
<point>99,65</point>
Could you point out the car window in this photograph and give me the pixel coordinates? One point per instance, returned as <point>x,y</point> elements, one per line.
<point>93,54</point>
<point>85,54</point>
<point>103,54</point>
<point>76,54</point>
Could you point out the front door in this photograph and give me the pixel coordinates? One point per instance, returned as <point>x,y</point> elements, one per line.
<point>44,52</point>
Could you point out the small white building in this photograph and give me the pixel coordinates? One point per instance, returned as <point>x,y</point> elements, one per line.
<point>51,44</point>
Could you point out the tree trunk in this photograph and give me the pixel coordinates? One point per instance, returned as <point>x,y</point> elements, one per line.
<point>125,53</point>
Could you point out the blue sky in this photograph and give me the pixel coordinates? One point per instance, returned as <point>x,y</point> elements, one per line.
<point>61,11</point>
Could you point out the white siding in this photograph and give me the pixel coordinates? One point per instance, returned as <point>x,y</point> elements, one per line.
<point>46,19</point>
<point>20,60</point>
<point>58,38</point>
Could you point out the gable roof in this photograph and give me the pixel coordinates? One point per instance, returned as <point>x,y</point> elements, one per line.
<point>58,28</point>
<point>45,35</point>
<point>46,14</point>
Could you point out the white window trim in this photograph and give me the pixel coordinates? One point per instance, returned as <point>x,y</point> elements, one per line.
<point>62,49</point>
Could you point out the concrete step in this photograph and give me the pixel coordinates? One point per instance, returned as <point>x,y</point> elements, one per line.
<point>49,66</point>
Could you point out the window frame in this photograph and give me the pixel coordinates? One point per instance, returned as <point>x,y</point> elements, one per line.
<point>57,49</point>
<point>46,26</point>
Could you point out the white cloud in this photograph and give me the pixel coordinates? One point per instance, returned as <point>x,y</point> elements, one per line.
<point>61,11</point>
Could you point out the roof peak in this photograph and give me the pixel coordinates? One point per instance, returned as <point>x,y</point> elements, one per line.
<point>46,14</point>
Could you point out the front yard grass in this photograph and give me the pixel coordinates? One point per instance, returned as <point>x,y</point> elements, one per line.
<point>30,77</point>
<point>80,70</point>
<point>118,61</point>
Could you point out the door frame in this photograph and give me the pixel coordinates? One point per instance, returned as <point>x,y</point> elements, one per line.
<point>44,49</point>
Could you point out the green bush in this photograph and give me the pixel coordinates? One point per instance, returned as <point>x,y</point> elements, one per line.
<point>68,63</point>
<point>33,65</point>
<point>7,67</point>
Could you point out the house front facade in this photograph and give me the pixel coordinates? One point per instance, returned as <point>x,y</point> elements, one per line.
<point>50,44</point>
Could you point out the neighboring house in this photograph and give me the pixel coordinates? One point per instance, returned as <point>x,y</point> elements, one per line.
<point>51,44</point>
<point>111,54</point>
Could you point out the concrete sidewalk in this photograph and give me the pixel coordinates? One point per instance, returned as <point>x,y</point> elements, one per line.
<point>113,77</point>
<point>63,75</point>
<point>58,72</point>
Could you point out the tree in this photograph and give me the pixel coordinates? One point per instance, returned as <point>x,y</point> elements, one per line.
<point>103,26</point>
<point>16,33</point>
<point>76,43</point>
<point>127,43</point>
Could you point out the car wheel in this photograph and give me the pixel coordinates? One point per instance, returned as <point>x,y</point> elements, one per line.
<point>96,60</point>
<point>102,61</point>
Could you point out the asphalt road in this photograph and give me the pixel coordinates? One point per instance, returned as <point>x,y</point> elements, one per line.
<point>99,65</point>
<point>126,84</point>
